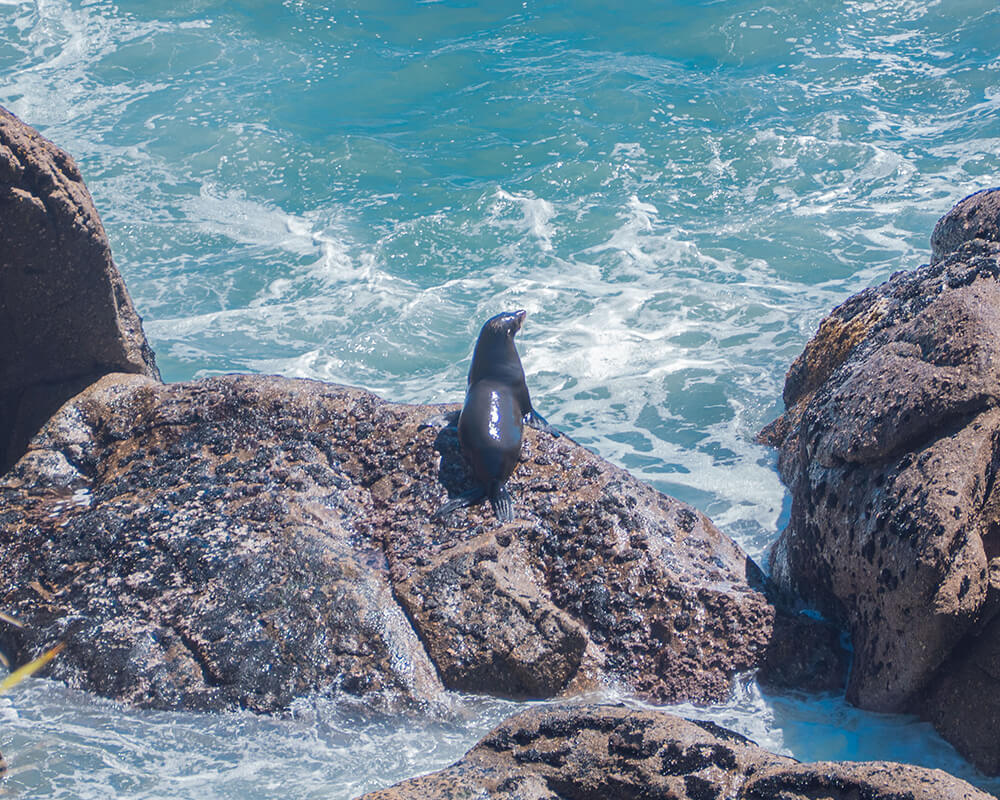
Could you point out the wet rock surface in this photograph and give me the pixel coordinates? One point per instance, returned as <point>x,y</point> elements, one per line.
<point>890,449</point>
<point>240,541</point>
<point>65,317</point>
<point>601,751</point>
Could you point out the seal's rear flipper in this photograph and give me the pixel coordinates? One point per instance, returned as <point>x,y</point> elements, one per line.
<point>537,421</point>
<point>503,505</point>
<point>469,498</point>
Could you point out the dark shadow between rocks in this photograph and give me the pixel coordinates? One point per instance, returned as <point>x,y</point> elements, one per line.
<point>755,576</point>
<point>803,654</point>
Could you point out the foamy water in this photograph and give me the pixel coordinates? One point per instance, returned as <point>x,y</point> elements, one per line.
<point>676,193</point>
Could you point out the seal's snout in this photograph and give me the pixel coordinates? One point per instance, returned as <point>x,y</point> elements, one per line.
<point>519,319</point>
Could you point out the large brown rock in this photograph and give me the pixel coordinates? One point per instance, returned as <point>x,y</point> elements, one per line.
<point>601,751</point>
<point>65,317</point>
<point>243,540</point>
<point>889,446</point>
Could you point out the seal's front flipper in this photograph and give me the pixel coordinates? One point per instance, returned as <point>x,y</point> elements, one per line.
<point>503,504</point>
<point>537,421</point>
<point>469,498</point>
<point>440,420</point>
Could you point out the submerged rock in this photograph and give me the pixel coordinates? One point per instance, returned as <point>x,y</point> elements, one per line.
<point>65,317</point>
<point>594,752</point>
<point>889,446</point>
<point>243,540</point>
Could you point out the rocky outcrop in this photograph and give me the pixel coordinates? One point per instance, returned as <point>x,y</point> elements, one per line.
<point>975,217</point>
<point>242,540</point>
<point>600,751</point>
<point>890,446</point>
<point>65,317</point>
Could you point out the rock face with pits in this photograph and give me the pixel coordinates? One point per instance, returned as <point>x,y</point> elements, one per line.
<point>240,541</point>
<point>600,751</point>
<point>890,446</point>
<point>65,317</point>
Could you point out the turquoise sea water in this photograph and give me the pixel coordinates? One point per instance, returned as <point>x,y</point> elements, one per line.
<point>677,192</point>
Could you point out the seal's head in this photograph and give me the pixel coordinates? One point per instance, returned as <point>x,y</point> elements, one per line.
<point>506,324</point>
<point>495,355</point>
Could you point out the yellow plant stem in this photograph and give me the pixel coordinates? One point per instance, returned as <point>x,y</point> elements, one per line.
<point>30,668</point>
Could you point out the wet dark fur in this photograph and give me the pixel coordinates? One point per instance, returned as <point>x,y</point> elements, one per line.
<point>497,406</point>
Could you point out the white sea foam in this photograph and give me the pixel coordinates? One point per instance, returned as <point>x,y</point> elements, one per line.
<point>63,744</point>
<point>536,215</point>
<point>248,222</point>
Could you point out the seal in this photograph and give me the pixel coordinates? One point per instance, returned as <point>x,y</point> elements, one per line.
<point>497,407</point>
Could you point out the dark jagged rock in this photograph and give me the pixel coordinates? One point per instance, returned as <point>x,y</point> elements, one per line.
<point>890,446</point>
<point>242,540</point>
<point>65,317</point>
<point>595,752</point>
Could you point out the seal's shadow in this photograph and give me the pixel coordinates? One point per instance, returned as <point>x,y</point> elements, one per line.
<point>455,474</point>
